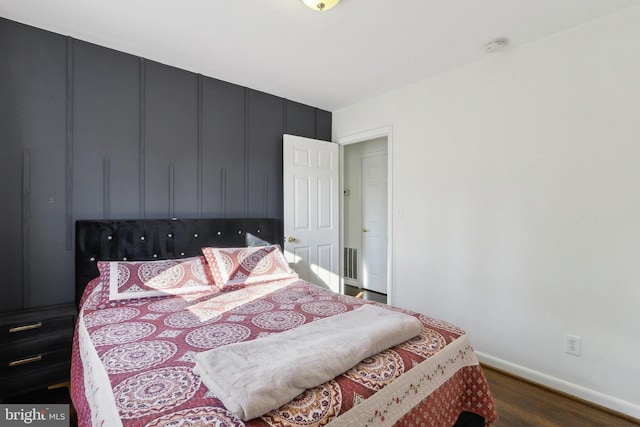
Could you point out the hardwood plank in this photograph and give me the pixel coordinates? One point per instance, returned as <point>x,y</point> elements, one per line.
<point>522,403</point>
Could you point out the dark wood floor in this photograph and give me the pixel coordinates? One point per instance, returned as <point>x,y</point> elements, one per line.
<point>522,404</point>
<point>364,294</point>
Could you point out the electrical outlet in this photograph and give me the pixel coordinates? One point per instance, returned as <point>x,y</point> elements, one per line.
<point>572,344</point>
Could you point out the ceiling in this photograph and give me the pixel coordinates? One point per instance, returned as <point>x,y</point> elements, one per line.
<point>355,51</point>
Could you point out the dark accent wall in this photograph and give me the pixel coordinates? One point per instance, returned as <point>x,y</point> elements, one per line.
<point>91,133</point>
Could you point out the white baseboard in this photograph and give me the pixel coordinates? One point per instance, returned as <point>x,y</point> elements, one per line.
<point>610,402</point>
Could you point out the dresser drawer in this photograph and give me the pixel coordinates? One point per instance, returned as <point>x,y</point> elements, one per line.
<point>35,362</point>
<point>21,338</point>
<point>36,348</point>
<point>36,371</point>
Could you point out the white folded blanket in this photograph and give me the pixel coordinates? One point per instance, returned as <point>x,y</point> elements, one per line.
<point>253,377</point>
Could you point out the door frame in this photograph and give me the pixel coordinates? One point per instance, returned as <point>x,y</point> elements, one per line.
<point>381,132</point>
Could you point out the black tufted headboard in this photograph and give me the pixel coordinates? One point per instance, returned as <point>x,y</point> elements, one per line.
<point>149,239</point>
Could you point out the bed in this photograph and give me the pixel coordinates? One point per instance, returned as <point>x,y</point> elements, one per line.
<point>137,344</point>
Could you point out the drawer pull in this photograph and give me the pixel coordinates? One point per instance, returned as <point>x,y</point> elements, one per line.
<point>25,361</point>
<point>25,327</point>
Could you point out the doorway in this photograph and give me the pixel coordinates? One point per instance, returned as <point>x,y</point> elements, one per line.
<point>366,215</point>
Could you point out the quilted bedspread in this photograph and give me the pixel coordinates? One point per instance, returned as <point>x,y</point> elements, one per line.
<point>133,362</point>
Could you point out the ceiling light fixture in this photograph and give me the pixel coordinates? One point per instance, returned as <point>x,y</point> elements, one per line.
<point>320,5</point>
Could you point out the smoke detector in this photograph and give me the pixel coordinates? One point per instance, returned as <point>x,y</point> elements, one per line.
<point>495,45</point>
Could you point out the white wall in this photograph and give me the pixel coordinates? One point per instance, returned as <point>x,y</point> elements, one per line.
<point>517,204</point>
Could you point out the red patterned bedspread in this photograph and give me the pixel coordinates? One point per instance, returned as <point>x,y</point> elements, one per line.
<point>145,347</point>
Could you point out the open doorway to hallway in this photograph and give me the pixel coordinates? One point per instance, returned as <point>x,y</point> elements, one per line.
<point>365,219</point>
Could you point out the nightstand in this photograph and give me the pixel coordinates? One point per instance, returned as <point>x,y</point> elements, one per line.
<point>35,348</point>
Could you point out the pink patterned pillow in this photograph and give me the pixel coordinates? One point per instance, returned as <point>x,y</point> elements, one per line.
<point>141,279</point>
<point>243,266</point>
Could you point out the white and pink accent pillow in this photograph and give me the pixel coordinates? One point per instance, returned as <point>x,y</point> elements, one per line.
<point>141,279</point>
<point>243,266</point>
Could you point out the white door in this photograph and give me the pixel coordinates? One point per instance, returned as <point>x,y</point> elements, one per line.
<point>374,222</point>
<point>311,211</point>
